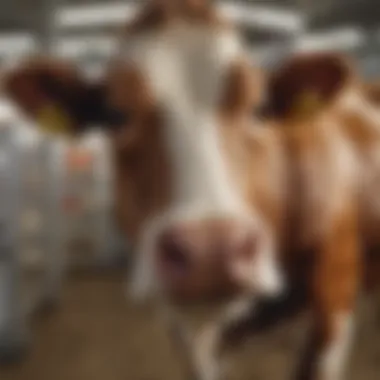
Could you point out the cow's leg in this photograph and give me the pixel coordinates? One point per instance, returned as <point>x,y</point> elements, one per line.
<point>336,276</point>
<point>199,350</point>
<point>197,347</point>
<point>205,353</point>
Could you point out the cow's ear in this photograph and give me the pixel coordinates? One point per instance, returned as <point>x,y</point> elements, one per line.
<point>308,84</point>
<point>54,94</point>
<point>40,81</point>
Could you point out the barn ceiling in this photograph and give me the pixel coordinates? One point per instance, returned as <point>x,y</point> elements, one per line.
<point>270,25</point>
<point>323,13</point>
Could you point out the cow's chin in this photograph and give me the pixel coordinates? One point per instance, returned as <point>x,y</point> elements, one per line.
<point>260,277</point>
<point>264,282</point>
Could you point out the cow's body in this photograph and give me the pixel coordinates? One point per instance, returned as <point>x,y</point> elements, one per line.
<point>354,112</point>
<point>361,123</point>
<point>225,210</point>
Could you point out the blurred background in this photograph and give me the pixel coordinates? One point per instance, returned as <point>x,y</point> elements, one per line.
<point>85,29</point>
<point>63,310</point>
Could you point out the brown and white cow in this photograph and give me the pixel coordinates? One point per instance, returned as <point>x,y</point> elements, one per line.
<point>223,209</point>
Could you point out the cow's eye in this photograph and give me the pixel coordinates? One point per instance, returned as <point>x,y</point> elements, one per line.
<point>116,118</point>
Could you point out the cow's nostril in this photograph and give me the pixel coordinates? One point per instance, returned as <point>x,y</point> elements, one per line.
<point>176,258</point>
<point>207,258</point>
<point>247,246</point>
<point>174,255</point>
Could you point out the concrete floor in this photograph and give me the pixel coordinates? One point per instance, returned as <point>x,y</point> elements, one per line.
<point>97,335</point>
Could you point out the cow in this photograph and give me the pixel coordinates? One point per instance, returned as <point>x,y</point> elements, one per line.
<point>224,209</point>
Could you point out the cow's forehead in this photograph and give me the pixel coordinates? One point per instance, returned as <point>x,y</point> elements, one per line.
<point>185,65</point>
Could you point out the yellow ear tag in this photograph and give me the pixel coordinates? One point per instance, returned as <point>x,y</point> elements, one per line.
<point>53,120</point>
<point>307,104</point>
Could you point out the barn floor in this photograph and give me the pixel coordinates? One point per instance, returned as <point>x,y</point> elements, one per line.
<point>97,335</point>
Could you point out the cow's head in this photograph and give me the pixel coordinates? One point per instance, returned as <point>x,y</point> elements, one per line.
<point>183,93</point>
<point>187,93</point>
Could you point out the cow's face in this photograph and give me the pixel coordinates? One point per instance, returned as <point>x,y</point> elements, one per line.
<point>181,95</point>
<point>185,95</point>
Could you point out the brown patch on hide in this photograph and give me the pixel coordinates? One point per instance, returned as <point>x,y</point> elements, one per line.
<point>141,167</point>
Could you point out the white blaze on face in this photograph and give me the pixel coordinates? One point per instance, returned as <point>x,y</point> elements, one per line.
<point>186,69</point>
